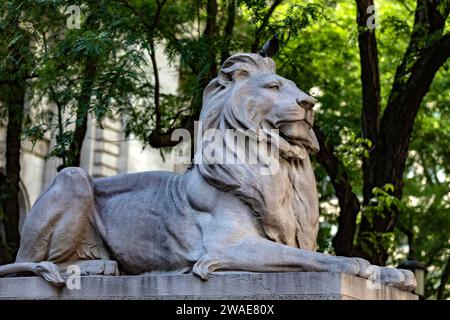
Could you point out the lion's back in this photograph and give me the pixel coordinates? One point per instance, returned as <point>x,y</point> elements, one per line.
<point>140,215</point>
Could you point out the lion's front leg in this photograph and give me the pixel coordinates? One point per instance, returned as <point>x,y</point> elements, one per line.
<point>261,255</point>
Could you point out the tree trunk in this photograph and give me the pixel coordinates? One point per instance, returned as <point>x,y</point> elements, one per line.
<point>13,148</point>
<point>210,34</point>
<point>370,82</point>
<point>5,254</point>
<point>13,96</point>
<point>156,95</point>
<point>387,160</point>
<point>349,205</point>
<point>228,32</point>
<point>163,139</point>
<point>81,124</point>
<point>259,32</point>
<point>74,152</point>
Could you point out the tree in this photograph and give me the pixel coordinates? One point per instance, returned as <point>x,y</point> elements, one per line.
<point>387,120</point>
<point>15,70</point>
<point>428,50</point>
<point>89,70</point>
<point>383,97</point>
<point>326,57</point>
<point>82,71</point>
<point>201,35</point>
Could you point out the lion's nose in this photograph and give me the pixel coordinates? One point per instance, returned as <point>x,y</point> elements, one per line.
<point>306,102</point>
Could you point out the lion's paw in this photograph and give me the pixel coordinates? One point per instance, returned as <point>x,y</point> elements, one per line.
<point>401,279</point>
<point>364,268</point>
<point>201,269</point>
<point>204,267</point>
<point>50,272</point>
<point>98,267</point>
<point>345,265</point>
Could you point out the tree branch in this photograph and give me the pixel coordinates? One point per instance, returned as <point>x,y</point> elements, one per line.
<point>265,21</point>
<point>423,27</point>
<point>405,99</point>
<point>89,76</point>
<point>228,32</point>
<point>433,254</point>
<point>431,180</point>
<point>436,19</point>
<point>151,27</point>
<point>348,202</point>
<point>210,34</point>
<point>59,107</point>
<point>164,139</point>
<point>421,61</point>
<point>156,94</point>
<point>370,80</point>
<point>427,51</point>
<point>370,75</point>
<point>159,6</point>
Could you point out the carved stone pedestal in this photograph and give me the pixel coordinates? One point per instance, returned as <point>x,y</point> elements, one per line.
<point>301,286</point>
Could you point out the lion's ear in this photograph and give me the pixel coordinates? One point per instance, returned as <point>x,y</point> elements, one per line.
<point>232,73</point>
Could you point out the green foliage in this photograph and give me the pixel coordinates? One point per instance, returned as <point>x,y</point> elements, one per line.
<point>325,233</point>
<point>319,52</point>
<point>62,60</point>
<point>325,56</point>
<point>426,192</point>
<point>299,17</point>
<point>63,142</point>
<point>382,203</point>
<point>352,151</point>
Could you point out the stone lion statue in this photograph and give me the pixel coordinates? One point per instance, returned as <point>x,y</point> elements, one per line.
<point>216,216</point>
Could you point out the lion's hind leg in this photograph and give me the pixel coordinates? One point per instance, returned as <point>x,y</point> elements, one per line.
<point>60,228</point>
<point>59,220</point>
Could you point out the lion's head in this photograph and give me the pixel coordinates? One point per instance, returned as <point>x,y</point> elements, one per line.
<point>248,96</point>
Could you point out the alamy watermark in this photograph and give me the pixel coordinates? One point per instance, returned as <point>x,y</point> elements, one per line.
<point>373,21</point>
<point>73,281</point>
<point>74,19</point>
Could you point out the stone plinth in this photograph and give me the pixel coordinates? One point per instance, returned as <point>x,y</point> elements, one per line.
<point>302,286</point>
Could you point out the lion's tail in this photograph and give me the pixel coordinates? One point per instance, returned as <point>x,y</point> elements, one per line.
<point>46,269</point>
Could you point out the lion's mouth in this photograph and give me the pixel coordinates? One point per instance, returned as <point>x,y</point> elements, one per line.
<point>294,130</point>
<point>298,133</point>
<point>303,122</point>
<point>294,120</point>
<point>294,140</point>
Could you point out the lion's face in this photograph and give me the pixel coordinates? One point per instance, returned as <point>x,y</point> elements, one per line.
<point>247,95</point>
<point>273,102</point>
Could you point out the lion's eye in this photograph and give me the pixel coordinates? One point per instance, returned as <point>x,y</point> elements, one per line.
<point>273,85</point>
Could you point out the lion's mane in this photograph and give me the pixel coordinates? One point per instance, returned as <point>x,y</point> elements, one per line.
<point>294,180</point>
